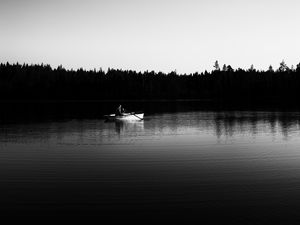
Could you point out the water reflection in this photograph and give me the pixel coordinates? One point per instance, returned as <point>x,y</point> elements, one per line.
<point>255,123</point>
<point>219,124</point>
<point>129,126</point>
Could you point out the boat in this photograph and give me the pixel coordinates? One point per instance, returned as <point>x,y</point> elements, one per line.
<point>125,117</point>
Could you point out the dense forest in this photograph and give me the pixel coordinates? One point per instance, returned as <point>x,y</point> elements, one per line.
<point>41,82</point>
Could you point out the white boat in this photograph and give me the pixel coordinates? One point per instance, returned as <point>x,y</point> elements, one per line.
<point>125,117</point>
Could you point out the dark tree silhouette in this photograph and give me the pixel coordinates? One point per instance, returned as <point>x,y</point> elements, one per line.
<point>224,68</point>
<point>283,67</point>
<point>298,68</point>
<point>41,82</point>
<point>271,69</point>
<point>251,69</point>
<point>216,65</point>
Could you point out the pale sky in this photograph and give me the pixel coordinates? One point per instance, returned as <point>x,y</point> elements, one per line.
<point>160,35</point>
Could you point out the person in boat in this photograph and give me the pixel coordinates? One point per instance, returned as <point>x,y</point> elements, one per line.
<point>120,110</point>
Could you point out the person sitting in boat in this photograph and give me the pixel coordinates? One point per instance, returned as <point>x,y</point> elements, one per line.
<point>120,110</point>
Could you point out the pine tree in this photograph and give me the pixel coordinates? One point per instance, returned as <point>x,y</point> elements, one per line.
<point>216,66</point>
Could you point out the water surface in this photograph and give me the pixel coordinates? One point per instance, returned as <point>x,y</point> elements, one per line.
<point>242,166</point>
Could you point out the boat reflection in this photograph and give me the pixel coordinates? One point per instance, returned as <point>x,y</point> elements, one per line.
<point>129,126</point>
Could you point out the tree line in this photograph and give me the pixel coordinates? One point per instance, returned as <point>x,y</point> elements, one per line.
<point>41,82</point>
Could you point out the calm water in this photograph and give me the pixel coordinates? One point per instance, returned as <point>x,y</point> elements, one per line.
<point>242,166</point>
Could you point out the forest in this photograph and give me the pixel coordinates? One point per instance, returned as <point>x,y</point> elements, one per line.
<point>41,82</point>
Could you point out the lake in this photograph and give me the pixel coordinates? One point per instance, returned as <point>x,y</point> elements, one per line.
<point>232,166</point>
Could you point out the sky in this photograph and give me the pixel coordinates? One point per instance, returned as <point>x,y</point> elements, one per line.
<point>160,35</point>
